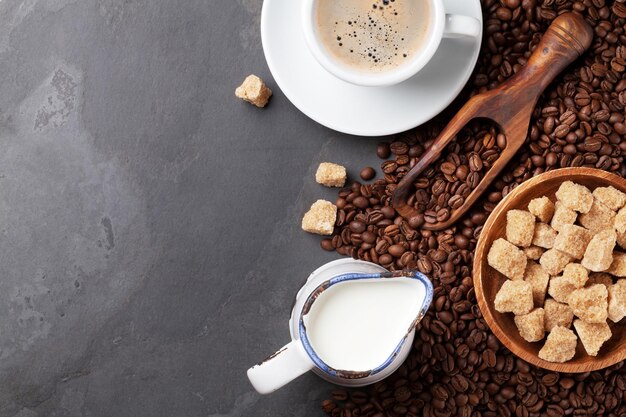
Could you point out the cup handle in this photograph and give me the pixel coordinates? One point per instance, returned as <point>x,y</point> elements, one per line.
<point>282,367</point>
<point>458,26</point>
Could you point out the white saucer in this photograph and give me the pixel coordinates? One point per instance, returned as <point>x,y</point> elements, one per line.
<point>364,111</point>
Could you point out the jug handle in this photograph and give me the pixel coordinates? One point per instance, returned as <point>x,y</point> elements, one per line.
<point>284,366</point>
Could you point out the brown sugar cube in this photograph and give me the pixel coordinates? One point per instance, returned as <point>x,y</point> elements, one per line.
<point>599,253</point>
<point>514,297</point>
<point>538,278</point>
<point>573,240</point>
<point>560,289</point>
<point>560,345</point>
<point>542,208</point>
<point>320,219</point>
<point>530,325</point>
<point>590,304</point>
<point>619,224</point>
<point>575,274</point>
<point>557,314</point>
<point>618,266</point>
<point>331,175</point>
<point>553,261</point>
<point>617,300</point>
<point>544,236</point>
<point>592,335</point>
<point>599,278</point>
<point>253,90</point>
<point>507,259</point>
<point>562,215</point>
<point>520,226</point>
<point>575,197</point>
<point>600,217</point>
<point>610,197</point>
<point>533,252</point>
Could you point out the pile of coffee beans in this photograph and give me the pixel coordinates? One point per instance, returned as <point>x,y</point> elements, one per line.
<point>457,366</point>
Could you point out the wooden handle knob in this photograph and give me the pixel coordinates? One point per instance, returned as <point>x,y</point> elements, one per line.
<point>567,38</point>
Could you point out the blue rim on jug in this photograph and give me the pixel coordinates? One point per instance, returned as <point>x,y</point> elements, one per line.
<point>428,297</point>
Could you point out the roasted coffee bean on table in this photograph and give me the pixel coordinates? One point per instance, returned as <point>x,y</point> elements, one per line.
<point>457,366</point>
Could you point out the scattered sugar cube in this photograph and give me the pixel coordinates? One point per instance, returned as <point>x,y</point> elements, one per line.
<point>542,208</point>
<point>533,252</point>
<point>560,345</point>
<point>575,274</point>
<point>575,197</point>
<point>599,253</point>
<point>514,297</point>
<point>331,175</point>
<point>544,236</point>
<point>553,261</point>
<point>520,226</point>
<point>599,278</point>
<point>610,197</point>
<point>619,223</point>
<point>592,335</point>
<point>320,218</point>
<point>253,90</point>
<point>560,289</point>
<point>600,217</point>
<point>538,278</point>
<point>590,304</point>
<point>530,325</point>
<point>617,300</point>
<point>618,266</point>
<point>507,259</point>
<point>562,215</point>
<point>557,314</point>
<point>573,240</point>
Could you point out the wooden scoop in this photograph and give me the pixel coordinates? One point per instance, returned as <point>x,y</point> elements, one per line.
<point>510,105</point>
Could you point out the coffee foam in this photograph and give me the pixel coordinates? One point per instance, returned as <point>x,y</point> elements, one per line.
<point>373,35</point>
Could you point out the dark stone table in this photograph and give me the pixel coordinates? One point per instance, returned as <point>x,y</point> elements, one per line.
<point>150,221</point>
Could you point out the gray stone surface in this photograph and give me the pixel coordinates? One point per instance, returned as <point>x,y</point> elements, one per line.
<point>149,221</point>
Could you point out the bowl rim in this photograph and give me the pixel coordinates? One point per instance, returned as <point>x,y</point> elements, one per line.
<point>480,262</point>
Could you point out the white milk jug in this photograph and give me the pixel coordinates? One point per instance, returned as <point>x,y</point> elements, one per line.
<point>353,324</point>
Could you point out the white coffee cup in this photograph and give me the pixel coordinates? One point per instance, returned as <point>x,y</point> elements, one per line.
<point>300,356</point>
<point>442,26</point>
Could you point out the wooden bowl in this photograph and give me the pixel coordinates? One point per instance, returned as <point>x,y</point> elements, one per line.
<point>487,281</point>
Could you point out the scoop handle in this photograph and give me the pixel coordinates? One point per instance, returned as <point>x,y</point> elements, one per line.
<point>567,38</point>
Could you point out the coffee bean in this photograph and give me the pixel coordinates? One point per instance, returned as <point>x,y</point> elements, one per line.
<point>503,13</point>
<point>357,226</point>
<point>388,212</point>
<point>359,397</point>
<point>385,259</point>
<point>328,406</point>
<point>416,221</point>
<point>361,202</point>
<point>327,244</point>
<point>383,151</point>
<point>368,173</point>
<point>448,168</point>
<point>396,250</point>
<point>475,163</point>
<point>399,148</point>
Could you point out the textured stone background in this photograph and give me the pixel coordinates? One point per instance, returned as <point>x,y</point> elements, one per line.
<point>149,221</point>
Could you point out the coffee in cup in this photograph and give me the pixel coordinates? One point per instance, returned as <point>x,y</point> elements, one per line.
<point>373,35</point>
<point>379,42</point>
